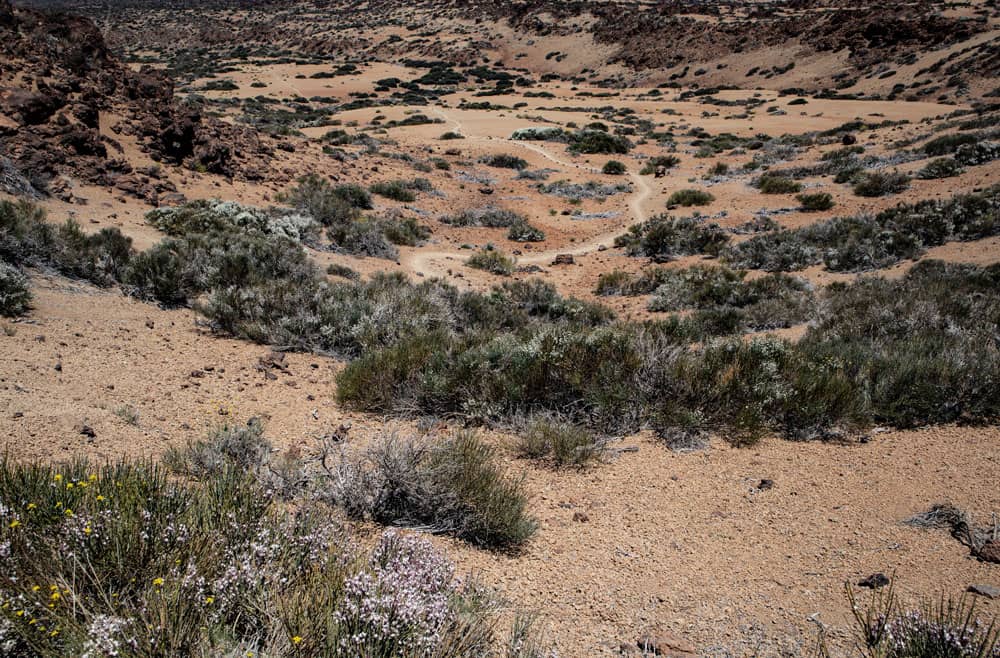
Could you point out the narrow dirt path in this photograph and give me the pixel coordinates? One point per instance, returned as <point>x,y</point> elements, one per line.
<point>420,261</point>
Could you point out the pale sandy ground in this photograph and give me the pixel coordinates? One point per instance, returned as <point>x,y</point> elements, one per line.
<point>678,542</point>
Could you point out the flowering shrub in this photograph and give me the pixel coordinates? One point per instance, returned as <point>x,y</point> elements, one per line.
<point>122,561</point>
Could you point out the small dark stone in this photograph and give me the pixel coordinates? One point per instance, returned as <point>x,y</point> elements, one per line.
<point>582,517</point>
<point>765,484</point>
<point>874,581</point>
<point>88,431</point>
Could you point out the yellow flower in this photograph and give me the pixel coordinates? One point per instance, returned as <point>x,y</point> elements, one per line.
<point>15,523</point>
<point>54,633</point>
<point>32,622</point>
<point>69,485</point>
<point>83,484</point>
<point>69,512</point>
<point>158,582</point>
<point>32,506</point>
<point>296,639</point>
<point>209,600</point>
<point>92,477</point>
<point>55,596</point>
<point>58,477</point>
<point>20,613</point>
<point>36,588</point>
<point>100,498</point>
<point>53,587</point>
<point>87,530</point>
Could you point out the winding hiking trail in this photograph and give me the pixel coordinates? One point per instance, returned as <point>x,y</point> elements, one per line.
<point>420,261</point>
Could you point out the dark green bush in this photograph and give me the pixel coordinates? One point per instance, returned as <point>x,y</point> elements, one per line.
<point>946,144</point>
<point>816,202</point>
<point>665,161</point>
<point>613,168</point>
<point>565,444</point>
<point>770,184</point>
<point>689,198</point>
<point>504,161</point>
<point>881,183</point>
<point>663,238</point>
<point>488,216</point>
<point>941,168</point>
<point>492,261</point>
<point>598,142</point>
<point>397,190</point>
<point>525,232</point>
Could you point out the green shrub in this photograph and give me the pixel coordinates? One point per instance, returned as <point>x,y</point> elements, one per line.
<point>456,486</point>
<point>588,190</point>
<point>228,447</point>
<point>770,184</point>
<point>940,168</point>
<point>397,190</point>
<point>718,169</point>
<point>865,242</point>
<point>689,198</point>
<point>665,161</point>
<point>946,144</point>
<point>613,168</point>
<point>816,202</point>
<point>326,203</point>
<point>525,232</point>
<point>663,238</point>
<point>504,161</point>
<point>564,443</point>
<point>342,271</point>
<point>492,261</point>
<point>488,216</point>
<point>450,135</point>
<point>405,231</point>
<point>15,295</point>
<point>880,183</point>
<point>618,282</point>
<point>598,142</point>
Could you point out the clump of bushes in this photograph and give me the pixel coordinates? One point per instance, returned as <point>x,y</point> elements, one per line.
<point>816,202</point>
<point>504,161</point>
<point>217,566</point>
<point>565,444</point>
<point>551,134</point>
<point>618,282</point>
<point>493,261</point>
<point>613,168</point>
<point>15,294</point>
<point>652,164</point>
<point>727,303</point>
<point>327,203</point>
<point>26,239</point>
<point>212,216</point>
<point>401,190</point>
<point>525,232</point>
<point>940,168</point>
<point>689,198</point>
<point>456,486</point>
<point>772,184</point>
<point>851,244</point>
<point>881,183</point>
<point>598,142</point>
<point>947,144</point>
<point>663,238</point>
<point>451,135</point>
<point>588,190</point>
<point>487,216</point>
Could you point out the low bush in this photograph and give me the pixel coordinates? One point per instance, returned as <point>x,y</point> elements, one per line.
<point>663,238</point>
<point>328,204</point>
<point>618,282</point>
<point>27,239</point>
<point>940,168</point>
<point>816,202</point>
<point>588,190</point>
<point>613,168</point>
<point>504,161</point>
<point>689,198</point>
<point>493,261</point>
<point>563,443</point>
<point>651,165</point>
<point>718,169</point>
<point>947,144</point>
<point>598,142</point>
<point>228,447</point>
<point>456,486</point>
<point>15,293</point>
<point>397,190</point>
<point>771,184</point>
<point>487,216</point>
<point>881,183</point>
<point>212,216</point>
<point>525,232</point>
<point>451,135</point>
